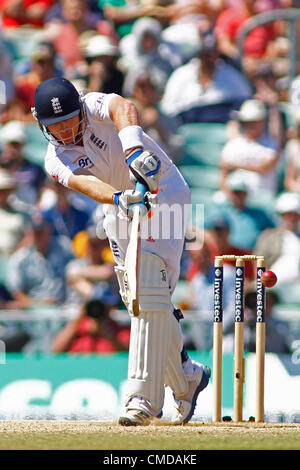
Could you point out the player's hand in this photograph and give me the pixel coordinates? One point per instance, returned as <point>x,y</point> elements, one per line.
<point>125,200</point>
<point>144,166</point>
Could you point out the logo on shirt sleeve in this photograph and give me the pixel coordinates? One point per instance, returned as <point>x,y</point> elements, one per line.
<point>98,142</point>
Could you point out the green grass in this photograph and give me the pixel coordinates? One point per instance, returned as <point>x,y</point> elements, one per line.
<point>76,435</point>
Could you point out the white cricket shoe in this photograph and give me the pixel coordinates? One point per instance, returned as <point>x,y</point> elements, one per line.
<point>135,418</point>
<point>198,381</point>
<point>138,413</point>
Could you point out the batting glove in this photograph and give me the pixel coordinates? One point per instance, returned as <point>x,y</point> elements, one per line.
<point>125,201</point>
<point>144,166</point>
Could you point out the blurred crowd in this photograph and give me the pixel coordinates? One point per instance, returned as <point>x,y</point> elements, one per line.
<point>180,62</point>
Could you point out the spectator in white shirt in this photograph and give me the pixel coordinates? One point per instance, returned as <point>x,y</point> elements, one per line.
<point>292,156</point>
<point>205,89</point>
<point>252,151</point>
<point>281,245</point>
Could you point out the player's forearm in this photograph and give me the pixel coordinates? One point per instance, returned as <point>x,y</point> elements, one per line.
<point>123,113</point>
<point>83,287</point>
<point>91,273</point>
<point>63,340</point>
<point>24,300</point>
<point>262,168</point>
<point>96,272</point>
<point>227,47</point>
<point>92,187</point>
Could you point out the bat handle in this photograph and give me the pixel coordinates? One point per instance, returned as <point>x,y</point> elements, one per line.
<point>142,189</point>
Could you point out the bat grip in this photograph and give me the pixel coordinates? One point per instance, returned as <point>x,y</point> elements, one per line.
<point>142,189</point>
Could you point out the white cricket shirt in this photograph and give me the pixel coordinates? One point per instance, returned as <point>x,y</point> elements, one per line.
<point>101,154</point>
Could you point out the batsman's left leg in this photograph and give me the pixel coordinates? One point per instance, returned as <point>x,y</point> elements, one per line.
<point>149,344</point>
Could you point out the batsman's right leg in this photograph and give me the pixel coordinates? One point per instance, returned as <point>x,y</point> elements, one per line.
<point>186,378</point>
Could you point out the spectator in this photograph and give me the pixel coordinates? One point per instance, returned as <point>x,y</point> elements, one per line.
<point>12,221</point>
<point>36,272</point>
<point>76,20</point>
<point>90,276</point>
<point>205,89</point>
<point>218,235</point>
<point>278,338</point>
<point>188,22</point>
<point>30,176</point>
<point>93,331</point>
<point>257,42</point>
<point>103,75</point>
<point>94,13</point>
<point>294,92</point>
<point>255,153</point>
<point>16,13</point>
<point>201,293</point>
<point>281,245</point>
<point>25,65</point>
<point>145,48</point>
<point>123,13</point>
<point>292,157</point>
<point>140,88</point>
<point>245,222</point>
<point>7,89</point>
<point>267,90</point>
<point>43,68</point>
<point>65,217</point>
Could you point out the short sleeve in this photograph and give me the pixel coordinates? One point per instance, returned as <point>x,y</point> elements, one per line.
<point>97,105</point>
<point>56,168</point>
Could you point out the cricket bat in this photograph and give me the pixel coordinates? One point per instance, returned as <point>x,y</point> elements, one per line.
<point>132,258</point>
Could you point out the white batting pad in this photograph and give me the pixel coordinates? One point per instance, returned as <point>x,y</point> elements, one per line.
<point>120,273</point>
<point>175,376</point>
<point>150,334</point>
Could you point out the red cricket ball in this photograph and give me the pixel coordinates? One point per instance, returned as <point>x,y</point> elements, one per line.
<point>268,278</point>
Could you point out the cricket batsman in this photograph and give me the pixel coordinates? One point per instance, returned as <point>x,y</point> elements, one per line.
<point>97,147</point>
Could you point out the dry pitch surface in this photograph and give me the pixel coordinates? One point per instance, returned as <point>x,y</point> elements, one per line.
<point>82,435</point>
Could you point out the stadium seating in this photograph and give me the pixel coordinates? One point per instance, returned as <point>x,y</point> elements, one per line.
<point>289,293</point>
<point>3,268</point>
<point>203,132</point>
<point>180,294</point>
<point>286,110</point>
<point>36,145</point>
<point>21,43</point>
<point>203,143</point>
<point>202,153</point>
<point>201,176</point>
<point>264,200</point>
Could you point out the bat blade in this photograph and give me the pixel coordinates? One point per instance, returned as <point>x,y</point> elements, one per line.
<point>132,261</point>
<point>133,253</point>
